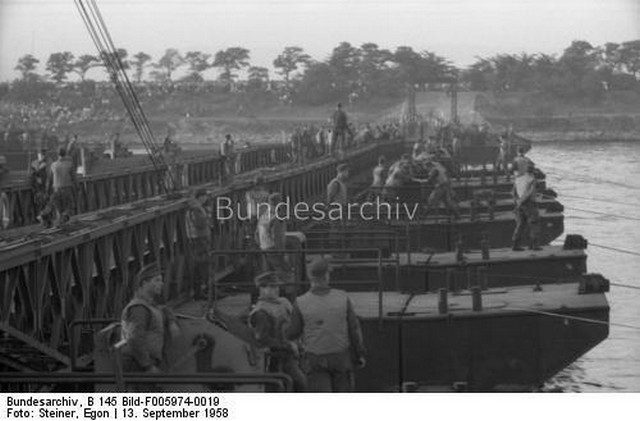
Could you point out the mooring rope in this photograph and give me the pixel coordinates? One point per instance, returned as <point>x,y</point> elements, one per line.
<point>613,215</point>
<point>577,318</point>
<point>619,250</point>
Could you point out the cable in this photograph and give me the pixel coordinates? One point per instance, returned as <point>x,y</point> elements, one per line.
<point>618,284</point>
<point>566,316</point>
<point>633,253</point>
<point>600,200</point>
<point>593,179</point>
<point>96,26</point>
<point>631,218</point>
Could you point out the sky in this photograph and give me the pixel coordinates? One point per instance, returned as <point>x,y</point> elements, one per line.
<point>459,30</point>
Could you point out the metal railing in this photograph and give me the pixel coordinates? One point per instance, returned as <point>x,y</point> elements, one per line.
<point>214,284</point>
<point>280,381</point>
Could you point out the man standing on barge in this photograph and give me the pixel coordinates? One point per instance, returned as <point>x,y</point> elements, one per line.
<point>526,209</point>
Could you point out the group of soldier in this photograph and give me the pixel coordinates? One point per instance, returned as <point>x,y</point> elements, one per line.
<point>434,161</point>
<point>54,184</point>
<point>315,338</point>
<point>309,142</point>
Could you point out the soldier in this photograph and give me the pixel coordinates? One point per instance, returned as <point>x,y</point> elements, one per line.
<point>521,163</point>
<point>442,191</point>
<point>62,181</point>
<point>337,188</point>
<point>227,151</point>
<point>526,210</point>
<point>270,320</point>
<point>39,180</point>
<point>330,331</point>
<point>198,229</point>
<point>271,234</point>
<point>340,128</point>
<point>145,324</point>
<point>5,214</point>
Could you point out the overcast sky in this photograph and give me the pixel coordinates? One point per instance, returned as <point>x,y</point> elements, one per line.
<point>459,30</point>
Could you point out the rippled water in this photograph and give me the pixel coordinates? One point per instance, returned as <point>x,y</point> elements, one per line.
<point>605,178</point>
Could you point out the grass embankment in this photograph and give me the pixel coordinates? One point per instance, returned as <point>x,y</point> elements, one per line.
<point>203,119</point>
<point>538,117</point>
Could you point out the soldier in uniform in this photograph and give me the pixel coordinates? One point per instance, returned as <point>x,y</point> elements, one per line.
<point>521,163</point>
<point>62,181</point>
<point>340,128</point>
<point>526,210</point>
<point>39,180</point>
<point>330,331</point>
<point>442,192</point>
<point>198,227</point>
<point>146,326</point>
<point>270,320</point>
<point>337,189</point>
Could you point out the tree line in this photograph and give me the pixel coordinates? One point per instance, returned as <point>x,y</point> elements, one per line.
<point>368,71</point>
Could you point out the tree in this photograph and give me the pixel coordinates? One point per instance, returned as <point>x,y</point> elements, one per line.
<point>344,61</point>
<point>26,66</point>
<point>480,75</point>
<point>630,57</point>
<point>85,62</point>
<point>317,85</point>
<point>198,62</point>
<point>409,63</point>
<point>59,65</point>
<point>169,62</point>
<point>372,65</point>
<point>258,79</point>
<point>231,60</point>
<point>289,60</point>
<point>139,62</point>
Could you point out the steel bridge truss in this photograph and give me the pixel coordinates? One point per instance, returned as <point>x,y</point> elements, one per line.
<point>86,271</point>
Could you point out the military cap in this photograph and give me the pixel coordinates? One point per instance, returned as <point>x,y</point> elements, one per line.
<point>343,167</point>
<point>148,272</point>
<point>266,279</point>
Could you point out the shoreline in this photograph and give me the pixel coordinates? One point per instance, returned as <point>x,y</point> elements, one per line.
<point>540,136</point>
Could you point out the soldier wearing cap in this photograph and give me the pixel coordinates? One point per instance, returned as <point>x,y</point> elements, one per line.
<point>270,320</point>
<point>145,324</point>
<point>330,331</point>
<point>198,228</point>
